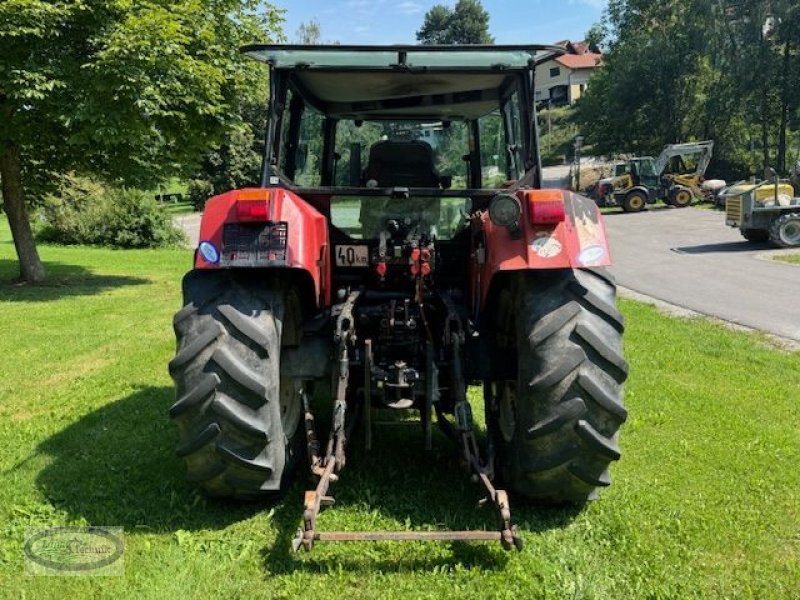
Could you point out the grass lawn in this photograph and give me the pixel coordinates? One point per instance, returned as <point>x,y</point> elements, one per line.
<point>705,501</point>
<point>179,208</point>
<point>792,259</point>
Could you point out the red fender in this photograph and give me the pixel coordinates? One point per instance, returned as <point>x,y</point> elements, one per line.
<point>579,241</point>
<point>306,233</point>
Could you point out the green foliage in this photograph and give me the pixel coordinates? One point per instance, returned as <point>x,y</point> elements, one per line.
<point>309,33</point>
<point>558,130</point>
<point>686,70</point>
<point>86,212</point>
<point>597,34</point>
<point>133,91</point>
<point>235,164</point>
<point>130,92</point>
<point>466,23</point>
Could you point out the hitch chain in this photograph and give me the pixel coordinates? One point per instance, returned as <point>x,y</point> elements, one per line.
<point>327,467</point>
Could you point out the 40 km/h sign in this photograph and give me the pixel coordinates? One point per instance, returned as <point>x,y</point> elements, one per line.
<point>352,256</point>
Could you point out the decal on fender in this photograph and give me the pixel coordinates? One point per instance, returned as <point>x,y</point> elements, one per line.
<point>546,246</point>
<point>591,254</point>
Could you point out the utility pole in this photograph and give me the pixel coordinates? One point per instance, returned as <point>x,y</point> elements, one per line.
<point>578,145</point>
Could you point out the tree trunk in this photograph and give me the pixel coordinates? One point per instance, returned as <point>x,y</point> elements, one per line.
<point>785,91</point>
<point>765,127</point>
<point>30,266</point>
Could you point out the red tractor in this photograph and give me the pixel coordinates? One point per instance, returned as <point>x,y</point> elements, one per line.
<point>398,250</point>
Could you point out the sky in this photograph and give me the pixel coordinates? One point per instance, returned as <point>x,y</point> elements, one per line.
<point>396,21</point>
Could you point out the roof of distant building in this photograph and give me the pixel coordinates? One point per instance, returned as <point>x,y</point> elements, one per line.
<point>580,61</point>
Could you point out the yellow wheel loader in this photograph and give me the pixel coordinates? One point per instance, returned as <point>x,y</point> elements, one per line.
<point>675,176</point>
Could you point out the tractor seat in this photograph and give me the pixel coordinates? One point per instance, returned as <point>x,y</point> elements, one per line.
<point>402,164</point>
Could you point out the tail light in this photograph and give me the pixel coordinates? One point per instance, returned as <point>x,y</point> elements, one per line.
<point>546,207</point>
<point>252,205</point>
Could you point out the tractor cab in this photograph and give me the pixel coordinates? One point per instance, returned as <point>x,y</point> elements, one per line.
<point>397,249</point>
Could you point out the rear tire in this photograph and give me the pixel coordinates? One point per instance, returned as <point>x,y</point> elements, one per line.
<point>785,231</point>
<point>635,201</point>
<point>556,427</point>
<point>237,419</point>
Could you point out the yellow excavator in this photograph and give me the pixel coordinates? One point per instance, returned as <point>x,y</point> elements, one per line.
<point>675,176</point>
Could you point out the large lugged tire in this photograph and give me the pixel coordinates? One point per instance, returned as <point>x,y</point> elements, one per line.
<point>785,230</point>
<point>238,421</point>
<point>556,427</point>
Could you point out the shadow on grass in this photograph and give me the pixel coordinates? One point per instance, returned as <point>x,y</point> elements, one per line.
<point>116,466</point>
<point>62,281</point>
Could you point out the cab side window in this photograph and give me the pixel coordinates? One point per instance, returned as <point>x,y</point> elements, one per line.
<point>301,142</point>
<point>494,156</point>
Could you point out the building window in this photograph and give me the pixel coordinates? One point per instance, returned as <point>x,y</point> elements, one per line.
<point>555,71</point>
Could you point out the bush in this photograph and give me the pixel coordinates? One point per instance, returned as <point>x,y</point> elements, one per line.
<point>235,164</point>
<point>83,211</point>
<point>199,191</point>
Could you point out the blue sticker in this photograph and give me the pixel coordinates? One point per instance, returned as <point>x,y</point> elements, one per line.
<point>591,254</point>
<point>209,252</point>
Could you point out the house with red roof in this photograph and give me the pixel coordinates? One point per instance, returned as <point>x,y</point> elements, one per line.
<point>564,79</point>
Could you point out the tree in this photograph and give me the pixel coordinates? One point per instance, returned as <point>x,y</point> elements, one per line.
<point>466,23</point>
<point>128,91</point>
<point>309,33</point>
<point>677,70</point>
<point>596,36</point>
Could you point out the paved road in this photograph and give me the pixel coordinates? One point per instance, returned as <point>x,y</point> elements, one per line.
<point>191,227</point>
<point>555,177</point>
<point>690,258</point>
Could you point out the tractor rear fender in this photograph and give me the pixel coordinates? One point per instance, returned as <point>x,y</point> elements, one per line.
<point>260,228</point>
<point>577,241</point>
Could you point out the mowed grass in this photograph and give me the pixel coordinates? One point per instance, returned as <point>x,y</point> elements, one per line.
<point>792,259</point>
<point>705,501</point>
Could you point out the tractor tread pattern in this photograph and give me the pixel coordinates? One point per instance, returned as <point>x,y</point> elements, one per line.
<point>603,396</point>
<point>569,387</point>
<point>593,301</point>
<point>553,322</point>
<point>242,417</point>
<point>202,390</point>
<point>564,413</point>
<point>195,347</point>
<point>246,325</point>
<point>239,372</point>
<point>227,378</point>
<point>600,443</point>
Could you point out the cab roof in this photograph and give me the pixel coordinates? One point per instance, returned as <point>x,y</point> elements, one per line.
<point>472,57</point>
<point>385,82</point>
